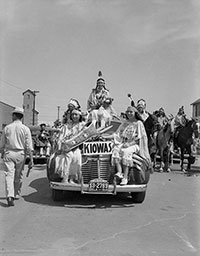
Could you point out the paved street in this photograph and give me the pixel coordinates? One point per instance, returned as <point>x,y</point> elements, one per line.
<point>167,223</point>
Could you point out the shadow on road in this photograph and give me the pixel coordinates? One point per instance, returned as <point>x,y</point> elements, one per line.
<point>42,195</point>
<point>3,204</point>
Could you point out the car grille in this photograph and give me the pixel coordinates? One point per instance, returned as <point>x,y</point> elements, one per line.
<point>90,169</point>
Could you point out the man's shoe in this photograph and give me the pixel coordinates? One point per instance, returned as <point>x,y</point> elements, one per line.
<point>10,201</point>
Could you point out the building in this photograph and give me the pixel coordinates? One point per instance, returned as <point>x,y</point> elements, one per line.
<point>29,109</point>
<point>5,114</point>
<point>30,114</point>
<point>196,110</point>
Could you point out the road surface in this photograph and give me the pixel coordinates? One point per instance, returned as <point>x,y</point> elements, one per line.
<point>167,223</point>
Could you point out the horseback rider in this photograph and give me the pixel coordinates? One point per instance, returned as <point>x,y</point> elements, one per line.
<point>180,121</point>
<point>98,94</point>
<point>150,122</point>
<point>162,118</point>
<point>161,121</point>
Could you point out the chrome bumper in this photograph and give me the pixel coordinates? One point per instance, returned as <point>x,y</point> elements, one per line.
<point>112,189</point>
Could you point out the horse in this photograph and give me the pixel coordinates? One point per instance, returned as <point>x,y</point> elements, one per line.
<point>184,141</point>
<point>150,127</point>
<point>163,140</point>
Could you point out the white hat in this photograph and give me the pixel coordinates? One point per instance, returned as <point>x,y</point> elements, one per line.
<point>141,103</point>
<point>18,110</point>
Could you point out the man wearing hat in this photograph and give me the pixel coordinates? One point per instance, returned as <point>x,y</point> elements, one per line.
<point>16,143</point>
<point>98,94</point>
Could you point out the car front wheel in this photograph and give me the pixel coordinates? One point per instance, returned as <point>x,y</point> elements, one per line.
<point>138,197</point>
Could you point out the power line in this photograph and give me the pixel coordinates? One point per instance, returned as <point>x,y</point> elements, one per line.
<point>22,89</point>
<point>41,106</point>
<point>11,84</point>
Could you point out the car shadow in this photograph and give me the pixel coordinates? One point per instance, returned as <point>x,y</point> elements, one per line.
<point>42,195</point>
<point>3,204</point>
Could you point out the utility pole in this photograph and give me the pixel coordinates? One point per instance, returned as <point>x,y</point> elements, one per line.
<point>34,94</point>
<point>58,113</point>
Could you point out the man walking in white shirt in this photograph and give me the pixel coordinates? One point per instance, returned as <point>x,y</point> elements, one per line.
<point>16,143</point>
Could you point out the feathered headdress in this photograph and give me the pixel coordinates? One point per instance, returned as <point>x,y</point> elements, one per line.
<point>100,76</point>
<point>100,73</point>
<point>74,102</point>
<point>181,108</point>
<point>161,109</point>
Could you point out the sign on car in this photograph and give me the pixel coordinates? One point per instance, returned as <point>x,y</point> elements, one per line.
<point>97,148</point>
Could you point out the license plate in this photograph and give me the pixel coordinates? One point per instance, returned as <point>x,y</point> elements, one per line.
<point>98,185</point>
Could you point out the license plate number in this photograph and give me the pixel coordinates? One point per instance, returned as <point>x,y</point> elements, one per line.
<point>98,186</point>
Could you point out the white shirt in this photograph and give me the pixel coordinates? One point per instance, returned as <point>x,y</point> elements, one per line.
<point>144,115</point>
<point>16,136</point>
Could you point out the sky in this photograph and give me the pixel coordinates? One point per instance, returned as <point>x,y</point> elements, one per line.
<point>148,48</point>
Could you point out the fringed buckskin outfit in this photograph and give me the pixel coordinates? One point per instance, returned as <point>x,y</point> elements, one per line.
<point>133,133</point>
<point>68,164</point>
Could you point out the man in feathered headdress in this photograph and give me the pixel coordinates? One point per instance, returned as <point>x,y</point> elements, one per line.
<point>73,104</point>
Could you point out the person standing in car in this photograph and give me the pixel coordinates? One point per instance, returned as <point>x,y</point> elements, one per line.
<point>98,94</point>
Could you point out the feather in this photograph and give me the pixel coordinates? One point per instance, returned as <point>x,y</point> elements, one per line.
<point>100,73</point>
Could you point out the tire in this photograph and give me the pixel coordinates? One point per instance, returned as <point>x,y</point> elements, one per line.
<point>57,195</point>
<point>138,197</point>
<point>147,176</point>
<point>136,178</point>
<point>139,179</point>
